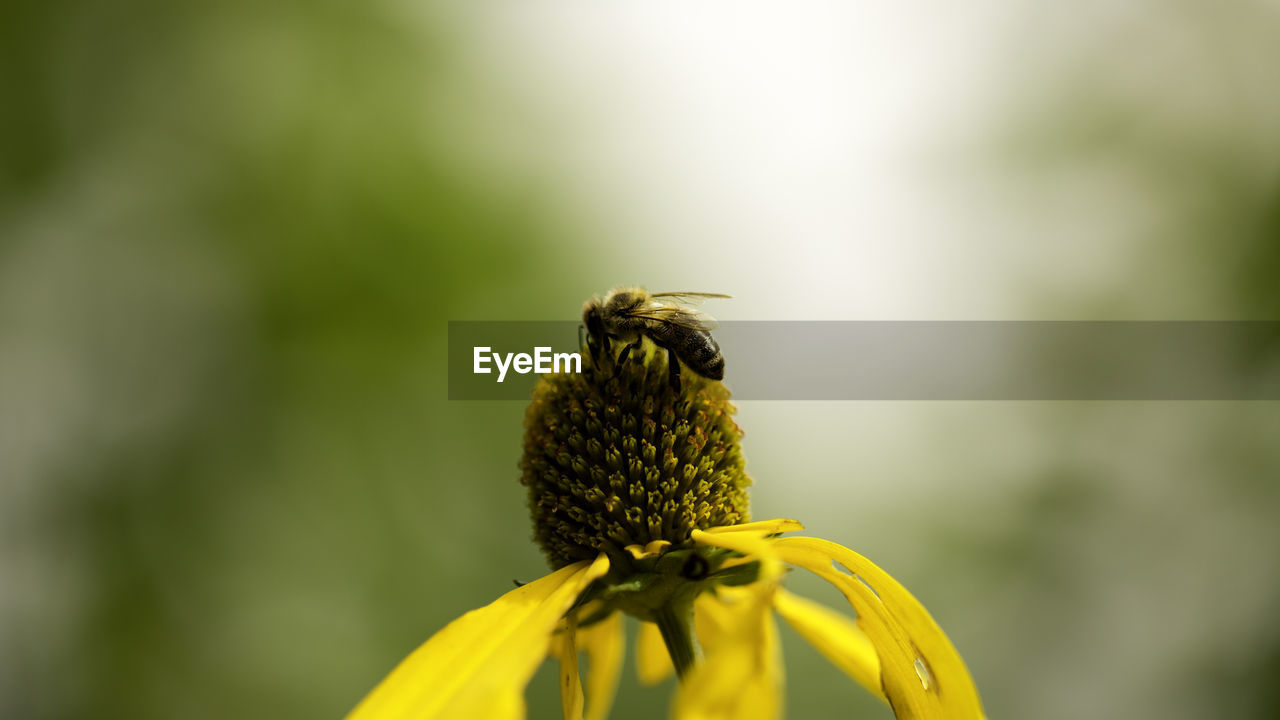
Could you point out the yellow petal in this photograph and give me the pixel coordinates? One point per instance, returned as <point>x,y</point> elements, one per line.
<point>653,664</point>
<point>603,643</point>
<point>768,527</point>
<point>712,620</point>
<point>835,636</point>
<point>570,682</point>
<point>754,543</point>
<point>741,676</point>
<point>653,549</point>
<point>715,613</point>
<point>922,674</point>
<point>479,664</point>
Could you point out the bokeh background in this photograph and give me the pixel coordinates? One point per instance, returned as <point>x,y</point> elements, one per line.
<point>231,236</point>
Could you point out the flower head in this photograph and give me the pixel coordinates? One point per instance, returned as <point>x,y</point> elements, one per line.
<point>637,488</point>
<point>615,457</point>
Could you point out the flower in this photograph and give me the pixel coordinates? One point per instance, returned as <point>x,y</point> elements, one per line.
<point>638,495</point>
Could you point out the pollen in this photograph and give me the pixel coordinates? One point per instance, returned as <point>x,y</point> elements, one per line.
<point>615,457</point>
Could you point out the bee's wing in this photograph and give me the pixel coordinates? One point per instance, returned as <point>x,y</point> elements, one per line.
<point>676,315</point>
<point>690,297</point>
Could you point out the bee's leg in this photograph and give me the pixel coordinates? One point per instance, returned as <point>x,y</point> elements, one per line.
<point>591,348</point>
<point>622,357</point>
<point>673,369</point>
<point>598,345</point>
<point>607,342</point>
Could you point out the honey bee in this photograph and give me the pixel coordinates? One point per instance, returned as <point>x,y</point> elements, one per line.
<point>630,314</point>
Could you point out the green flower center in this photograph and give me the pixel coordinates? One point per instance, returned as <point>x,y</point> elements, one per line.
<point>615,457</point>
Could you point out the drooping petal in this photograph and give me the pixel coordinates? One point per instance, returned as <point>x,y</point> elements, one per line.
<point>479,664</point>
<point>566,649</point>
<point>741,676</point>
<point>834,635</point>
<point>752,543</point>
<point>712,621</point>
<point>653,664</point>
<point>922,674</point>
<point>766,527</point>
<point>604,644</point>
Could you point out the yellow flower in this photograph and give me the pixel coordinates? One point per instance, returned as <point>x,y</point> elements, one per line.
<point>638,494</point>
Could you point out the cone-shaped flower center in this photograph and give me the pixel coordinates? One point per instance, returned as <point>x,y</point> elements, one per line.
<point>615,457</point>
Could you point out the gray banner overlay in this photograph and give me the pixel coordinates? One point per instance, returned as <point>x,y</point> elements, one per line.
<point>926,360</point>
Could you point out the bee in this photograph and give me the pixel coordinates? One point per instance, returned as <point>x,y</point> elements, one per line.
<point>630,314</point>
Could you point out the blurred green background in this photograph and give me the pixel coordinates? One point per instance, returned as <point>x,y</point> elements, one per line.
<point>231,236</point>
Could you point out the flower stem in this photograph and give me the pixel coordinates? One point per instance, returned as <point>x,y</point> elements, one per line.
<point>675,622</point>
